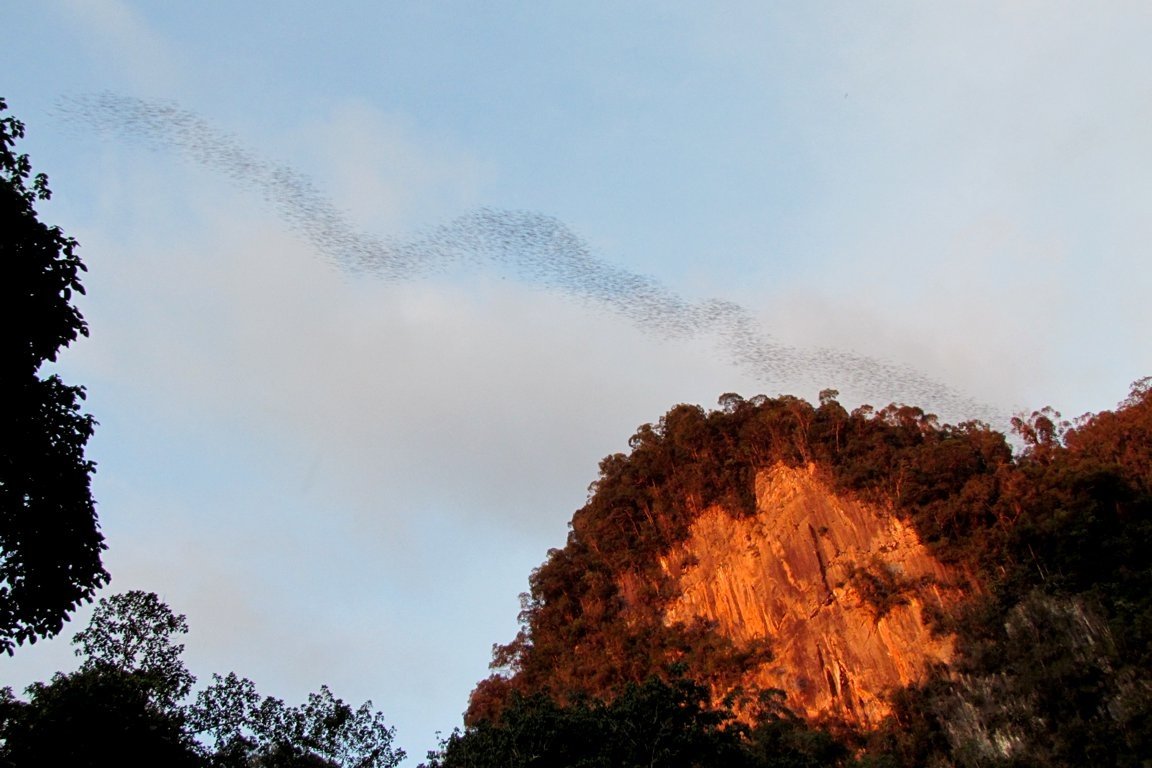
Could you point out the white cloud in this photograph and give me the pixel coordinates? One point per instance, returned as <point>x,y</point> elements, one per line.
<point>287,447</point>
<point>343,480</point>
<point>978,173</point>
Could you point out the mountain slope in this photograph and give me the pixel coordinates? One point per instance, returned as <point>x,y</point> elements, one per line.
<point>916,587</point>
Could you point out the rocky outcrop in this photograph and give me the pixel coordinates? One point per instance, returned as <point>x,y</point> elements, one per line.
<point>839,588</point>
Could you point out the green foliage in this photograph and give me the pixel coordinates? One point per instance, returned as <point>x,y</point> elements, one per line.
<point>93,717</point>
<point>250,731</point>
<point>1053,643</point>
<point>781,739</point>
<point>593,619</point>
<point>1054,652</point>
<point>50,543</point>
<point>124,706</point>
<point>881,588</point>
<point>652,724</point>
<point>133,632</point>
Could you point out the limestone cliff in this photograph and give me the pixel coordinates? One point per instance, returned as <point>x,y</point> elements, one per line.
<point>774,544</point>
<point>769,524</point>
<point>839,588</point>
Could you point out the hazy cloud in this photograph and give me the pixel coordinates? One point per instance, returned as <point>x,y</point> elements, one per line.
<point>536,248</point>
<point>341,420</point>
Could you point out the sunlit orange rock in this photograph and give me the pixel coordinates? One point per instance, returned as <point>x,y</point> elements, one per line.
<point>838,587</point>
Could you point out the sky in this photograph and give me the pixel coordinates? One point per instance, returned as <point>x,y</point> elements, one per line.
<point>373,286</point>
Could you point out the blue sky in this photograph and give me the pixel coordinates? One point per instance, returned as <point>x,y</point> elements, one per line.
<point>346,479</point>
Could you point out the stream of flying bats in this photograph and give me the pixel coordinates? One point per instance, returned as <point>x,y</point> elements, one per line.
<point>538,249</point>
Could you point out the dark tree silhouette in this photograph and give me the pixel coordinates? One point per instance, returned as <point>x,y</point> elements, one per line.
<point>133,633</point>
<point>249,731</point>
<point>50,542</point>
<point>93,717</point>
<point>120,707</point>
<point>123,706</point>
<point>654,724</point>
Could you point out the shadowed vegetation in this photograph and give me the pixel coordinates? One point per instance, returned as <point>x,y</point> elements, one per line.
<point>128,704</point>
<point>1052,640</point>
<point>50,542</point>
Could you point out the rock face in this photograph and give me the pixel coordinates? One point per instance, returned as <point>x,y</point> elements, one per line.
<point>839,588</point>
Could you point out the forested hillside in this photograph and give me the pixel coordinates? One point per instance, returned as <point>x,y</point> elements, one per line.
<point>1050,617</point>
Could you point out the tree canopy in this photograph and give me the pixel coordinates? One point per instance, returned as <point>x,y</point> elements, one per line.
<point>50,541</point>
<point>1052,638</point>
<point>654,724</point>
<point>127,704</point>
